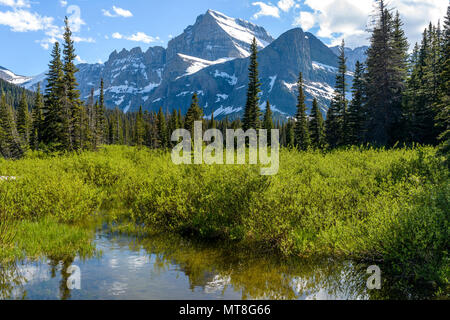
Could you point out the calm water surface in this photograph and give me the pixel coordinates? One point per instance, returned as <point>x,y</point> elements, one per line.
<point>172,268</point>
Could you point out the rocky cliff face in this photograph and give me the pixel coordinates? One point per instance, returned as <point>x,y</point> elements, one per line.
<point>211,58</point>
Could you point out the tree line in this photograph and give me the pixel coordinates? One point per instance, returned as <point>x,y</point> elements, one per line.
<point>397,98</point>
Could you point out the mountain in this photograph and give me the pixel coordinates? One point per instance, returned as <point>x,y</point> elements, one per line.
<point>215,36</point>
<point>353,55</point>
<point>211,58</point>
<point>11,77</point>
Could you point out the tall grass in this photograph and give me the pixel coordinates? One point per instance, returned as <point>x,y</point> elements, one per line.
<point>384,205</point>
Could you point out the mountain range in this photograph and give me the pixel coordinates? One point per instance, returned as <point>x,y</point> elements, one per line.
<point>211,57</point>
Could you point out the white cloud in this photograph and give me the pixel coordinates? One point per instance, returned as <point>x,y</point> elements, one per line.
<point>286,5</point>
<point>118,12</point>
<point>266,10</point>
<point>63,3</point>
<point>79,60</point>
<point>306,20</point>
<point>349,19</point>
<point>15,3</point>
<point>24,21</point>
<point>137,37</point>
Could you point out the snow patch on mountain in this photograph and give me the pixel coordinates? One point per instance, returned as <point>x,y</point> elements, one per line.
<point>239,29</point>
<point>232,80</point>
<point>197,64</point>
<point>226,110</point>
<point>11,77</point>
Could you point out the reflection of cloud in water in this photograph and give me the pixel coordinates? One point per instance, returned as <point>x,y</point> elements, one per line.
<point>118,288</point>
<point>34,273</point>
<point>217,284</point>
<point>114,263</point>
<point>137,262</point>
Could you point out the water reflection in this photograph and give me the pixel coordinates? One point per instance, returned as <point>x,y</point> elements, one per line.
<point>168,267</point>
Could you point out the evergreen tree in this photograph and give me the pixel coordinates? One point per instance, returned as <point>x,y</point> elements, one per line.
<point>443,106</point>
<point>385,79</point>
<point>139,128</point>
<point>420,97</point>
<point>302,139</point>
<point>24,121</point>
<point>10,144</point>
<point>162,129</point>
<point>212,122</point>
<point>74,125</point>
<point>268,123</point>
<point>290,133</point>
<point>37,120</point>
<point>252,112</point>
<point>53,131</point>
<point>355,115</point>
<point>337,122</point>
<point>100,121</point>
<point>317,127</point>
<point>195,113</point>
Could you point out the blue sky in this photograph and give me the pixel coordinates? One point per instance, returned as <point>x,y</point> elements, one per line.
<point>28,28</point>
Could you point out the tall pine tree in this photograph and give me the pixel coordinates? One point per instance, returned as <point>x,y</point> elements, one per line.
<point>317,127</point>
<point>302,138</point>
<point>443,107</point>
<point>252,112</point>
<point>385,79</point>
<point>37,120</point>
<point>336,123</point>
<point>54,129</point>
<point>355,117</point>
<point>24,121</point>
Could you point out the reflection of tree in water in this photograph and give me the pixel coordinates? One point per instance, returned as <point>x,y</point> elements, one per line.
<point>10,279</point>
<point>63,265</point>
<point>255,276</point>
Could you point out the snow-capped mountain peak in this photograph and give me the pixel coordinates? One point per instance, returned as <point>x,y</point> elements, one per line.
<point>215,36</point>
<point>241,30</point>
<point>11,77</point>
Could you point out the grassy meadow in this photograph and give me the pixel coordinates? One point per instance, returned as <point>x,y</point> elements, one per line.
<point>386,206</point>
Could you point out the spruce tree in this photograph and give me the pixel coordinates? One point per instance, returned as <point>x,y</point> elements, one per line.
<point>139,128</point>
<point>290,133</point>
<point>443,107</point>
<point>385,79</point>
<point>100,121</point>
<point>162,129</point>
<point>75,122</point>
<point>337,122</point>
<point>302,138</point>
<point>24,120</point>
<point>37,120</point>
<point>10,142</point>
<point>195,113</point>
<point>355,115</point>
<point>268,122</point>
<point>252,112</point>
<point>317,127</point>
<point>53,131</point>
